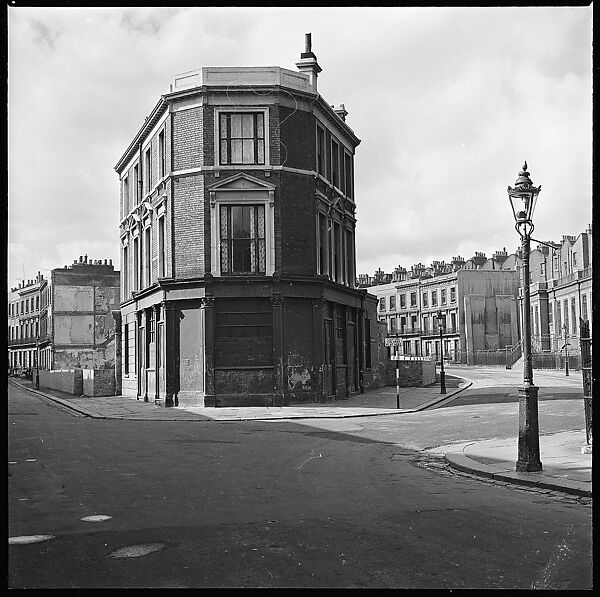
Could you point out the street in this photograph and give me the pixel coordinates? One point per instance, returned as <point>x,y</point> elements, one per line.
<point>312,503</point>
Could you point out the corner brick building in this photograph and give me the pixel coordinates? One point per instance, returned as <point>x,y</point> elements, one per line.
<point>237,245</point>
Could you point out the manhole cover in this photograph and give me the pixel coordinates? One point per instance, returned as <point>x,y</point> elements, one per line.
<point>95,518</point>
<point>25,539</point>
<point>136,551</point>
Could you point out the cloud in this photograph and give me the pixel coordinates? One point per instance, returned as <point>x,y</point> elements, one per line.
<point>448,102</point>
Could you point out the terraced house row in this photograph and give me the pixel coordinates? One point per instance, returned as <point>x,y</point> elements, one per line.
<point>480,301</point>
<point>237,244</point>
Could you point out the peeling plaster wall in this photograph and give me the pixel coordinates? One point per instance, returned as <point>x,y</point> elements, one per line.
<point>84,328</point>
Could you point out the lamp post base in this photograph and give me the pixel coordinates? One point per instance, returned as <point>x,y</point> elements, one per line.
<point>529,437</point>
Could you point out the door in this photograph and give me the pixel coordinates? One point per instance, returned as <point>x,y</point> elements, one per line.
<point>352,356</point>
<point>329,360</point>
<point>160,369</point>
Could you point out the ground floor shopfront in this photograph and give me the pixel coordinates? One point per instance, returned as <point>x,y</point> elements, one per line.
<point>229,342</point>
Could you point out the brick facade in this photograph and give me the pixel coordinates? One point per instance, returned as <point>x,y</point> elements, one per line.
<point>243,314</point>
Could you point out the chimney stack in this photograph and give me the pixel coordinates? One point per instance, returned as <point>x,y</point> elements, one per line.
<point>308,62</point>
<point>341,112</point>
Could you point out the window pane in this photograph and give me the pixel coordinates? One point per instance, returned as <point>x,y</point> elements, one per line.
<point>260,129</point>
<point>260,146</point>
<point>248,151</point>
<point>224,241</point>
<point>236,126</point>
<point>223,126</point>
<point>248,126</point>
<point>241,255</point>
<point>251,211</point>
<point>236,151</point>
<point>224,156</point>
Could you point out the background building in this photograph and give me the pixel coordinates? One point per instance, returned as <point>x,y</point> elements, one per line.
<point>237,244</point>
<point>24,331</point>
<point>479,310</point>
<point>561,294</point>
<point>65,322</point>
<point>481,301</point>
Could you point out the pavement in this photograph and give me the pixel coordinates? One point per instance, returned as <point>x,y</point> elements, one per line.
<point>566,467</point>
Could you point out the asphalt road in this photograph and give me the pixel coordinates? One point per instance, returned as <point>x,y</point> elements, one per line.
<point>276,504</point>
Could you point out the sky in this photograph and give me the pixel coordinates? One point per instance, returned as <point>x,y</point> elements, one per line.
<point>448,103</point>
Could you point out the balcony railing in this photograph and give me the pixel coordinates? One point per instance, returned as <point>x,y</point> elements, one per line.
<point>447,331</point>
<point>407,332</point>
<point>578,275</point>
<point>32,340</point>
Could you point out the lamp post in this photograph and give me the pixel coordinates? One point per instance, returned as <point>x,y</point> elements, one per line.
<point>566,348</point>
<point>529,441</point>
<point>441,319</point>
<point>37,367</point>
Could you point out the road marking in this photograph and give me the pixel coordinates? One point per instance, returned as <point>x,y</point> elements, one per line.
<point>95,518</point>
<point>30,460</point>
<point>25,539</point>
<point>136,551</point>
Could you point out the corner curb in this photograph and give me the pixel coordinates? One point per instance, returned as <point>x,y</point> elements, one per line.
<point>443,398</point>
<point>389,412</point>
<point>461,462</point>
<point>65,403</point>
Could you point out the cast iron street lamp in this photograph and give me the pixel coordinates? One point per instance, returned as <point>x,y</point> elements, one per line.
<point>37,367</point>
<point>529,441</point>
<point>566,348</point>
<point>441,319</point>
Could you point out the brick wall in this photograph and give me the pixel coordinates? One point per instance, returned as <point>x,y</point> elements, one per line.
<point>297,224</point>
<point>188,150</point>
<point>412,374</point>
<point>98,382</point>
<point>188,226</point>
<point>297,134</point>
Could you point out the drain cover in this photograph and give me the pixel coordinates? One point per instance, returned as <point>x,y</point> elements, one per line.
<point>136,551</point>
<point>25,539</point>
<point>95,518</point>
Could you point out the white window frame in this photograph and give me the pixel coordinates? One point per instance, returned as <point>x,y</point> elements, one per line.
<point>253,196</point>
<point>217,138</point>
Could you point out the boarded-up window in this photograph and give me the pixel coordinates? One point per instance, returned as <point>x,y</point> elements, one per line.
<point>243,332</point>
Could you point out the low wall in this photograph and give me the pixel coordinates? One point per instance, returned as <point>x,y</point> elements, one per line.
<point>98,382</point>
<point>80,382</point>
<point>69,381</point>
<point>412,373</point>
